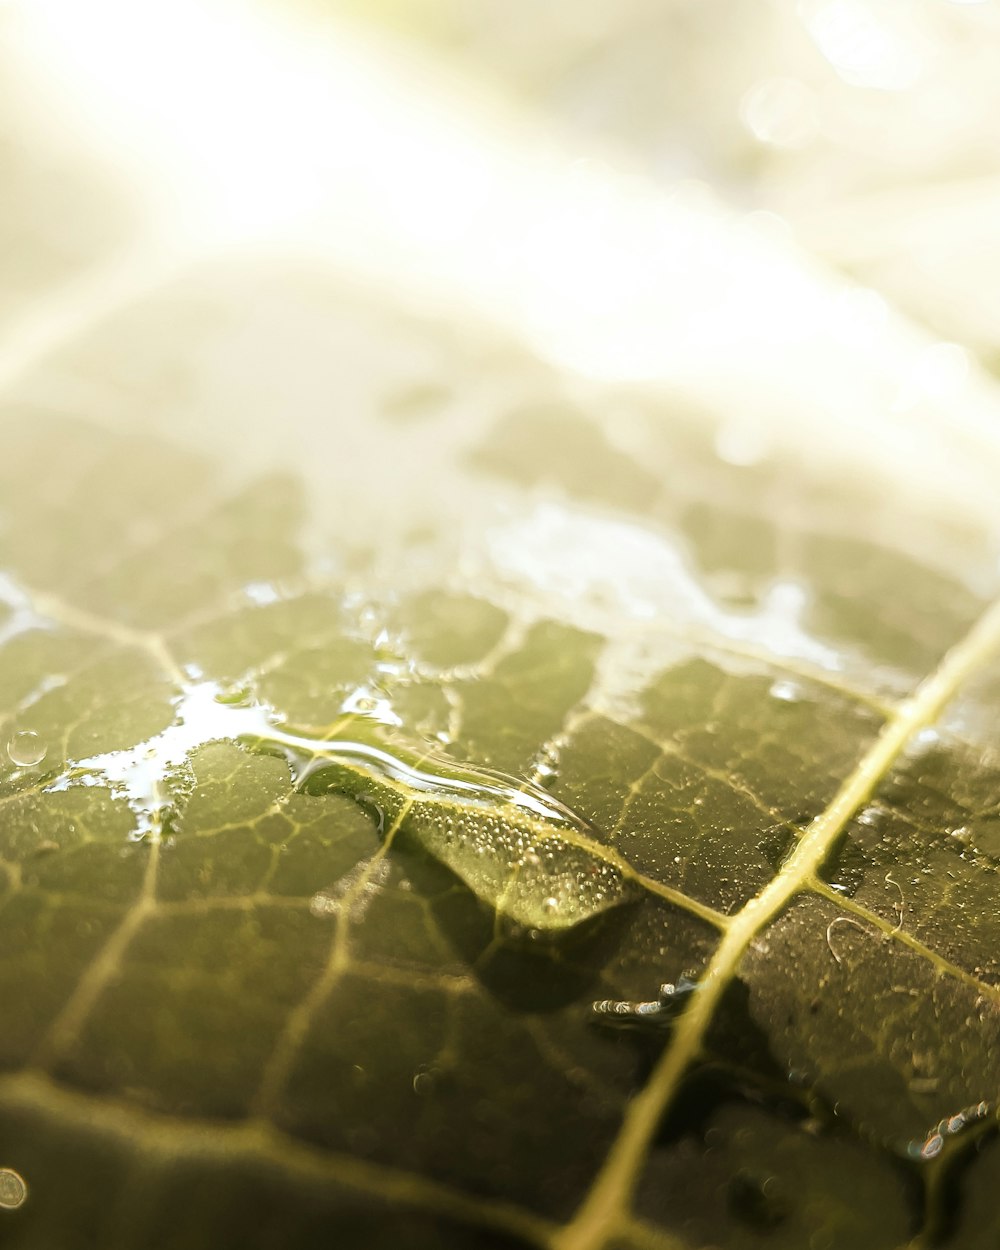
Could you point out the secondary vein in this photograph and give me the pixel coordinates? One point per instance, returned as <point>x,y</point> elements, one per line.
<point>612,1189</point>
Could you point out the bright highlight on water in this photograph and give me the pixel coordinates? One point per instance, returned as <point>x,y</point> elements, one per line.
<point>519,849</point>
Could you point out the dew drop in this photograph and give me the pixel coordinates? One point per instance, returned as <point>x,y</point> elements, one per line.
<point>13,1190</point>
<point>26,749</point>
<point>234,694</point>
<point>537,862</point>
<point>870,816</point>
<point>424,1081</point>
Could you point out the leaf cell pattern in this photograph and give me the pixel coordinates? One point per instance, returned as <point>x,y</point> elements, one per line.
<point>265,1022</point>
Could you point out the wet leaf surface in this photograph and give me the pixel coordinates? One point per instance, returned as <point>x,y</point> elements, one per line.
<point>235,983</point>
<point>375,699</point>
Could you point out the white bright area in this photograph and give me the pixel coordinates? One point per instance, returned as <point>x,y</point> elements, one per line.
<point>239,125</point>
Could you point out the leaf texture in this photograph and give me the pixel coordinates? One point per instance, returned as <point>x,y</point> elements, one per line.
<point>257,995</point>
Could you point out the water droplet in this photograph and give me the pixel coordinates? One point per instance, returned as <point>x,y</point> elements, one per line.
<point>658,1014</point>
<point>785,690</point>
<point>26,749</point>
<point>234,694</point>
<point>952,1126</point>
<point>13,1189</point>
<point>364,701</point>
<point>425,1081</point>
<point>533,859</point>
<point>870,816</point>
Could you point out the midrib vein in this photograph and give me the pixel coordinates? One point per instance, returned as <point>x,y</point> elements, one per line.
<point>611,1192</point>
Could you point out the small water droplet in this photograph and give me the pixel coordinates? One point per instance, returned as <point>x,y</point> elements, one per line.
<point>424,1081</point>
<point>786,691</point>
<point>13,1189</point>
<point>26,749</point>
<point>235,694</point>
<point>550,905</point>
<point>870,816</point>
<point>322,905</point>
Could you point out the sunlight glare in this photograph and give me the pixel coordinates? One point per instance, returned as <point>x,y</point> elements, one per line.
<point>243,127</point>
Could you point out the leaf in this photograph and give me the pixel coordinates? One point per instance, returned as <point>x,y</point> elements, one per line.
<point>267,1015</point>
<point>736,722</point>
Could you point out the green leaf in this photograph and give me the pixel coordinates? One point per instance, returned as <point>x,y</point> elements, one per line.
<point>280,960</point>
<point>357,749</point>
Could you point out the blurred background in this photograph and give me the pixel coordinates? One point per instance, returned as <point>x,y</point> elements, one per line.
<point>786,211</point>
